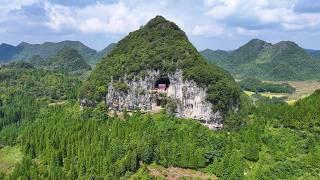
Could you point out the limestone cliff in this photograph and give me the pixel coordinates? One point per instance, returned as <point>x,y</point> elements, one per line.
<point>143,94</point>
<point>156,66</point>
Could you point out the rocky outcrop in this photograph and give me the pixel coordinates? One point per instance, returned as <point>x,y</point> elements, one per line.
<point>143,94</point>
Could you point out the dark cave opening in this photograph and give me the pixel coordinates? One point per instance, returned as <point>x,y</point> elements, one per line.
<point>162,83</point>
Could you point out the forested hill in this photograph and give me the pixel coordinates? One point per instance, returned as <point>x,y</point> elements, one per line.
<point>40,116</point>
<point>281,61</point>
<point>23,89</point>
<point>161,46</point>
<point>25,51</point>
<point>68,60</point>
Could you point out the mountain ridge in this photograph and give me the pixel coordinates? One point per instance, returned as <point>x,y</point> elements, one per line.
<point>284,60</point>
<point>25,51</point>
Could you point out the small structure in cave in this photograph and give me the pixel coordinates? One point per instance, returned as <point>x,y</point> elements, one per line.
<point>160,89</point>
<point>162,84</point>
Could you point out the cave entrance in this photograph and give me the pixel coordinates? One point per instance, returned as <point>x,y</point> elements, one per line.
<point>162,84</point>
<point>158,102</point>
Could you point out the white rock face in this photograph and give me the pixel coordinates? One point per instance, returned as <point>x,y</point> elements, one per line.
<point>188,96</point>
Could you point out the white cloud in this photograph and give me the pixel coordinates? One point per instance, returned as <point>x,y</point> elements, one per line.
<point>59,16</point>
<point>9,5</point>
<point>208,30</point>
<point>246,32</point>
<point>223,9</point>
<point>262,13</point>
<point>96,18</point>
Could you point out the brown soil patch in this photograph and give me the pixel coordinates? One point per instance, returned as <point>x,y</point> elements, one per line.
<point>174,173</point>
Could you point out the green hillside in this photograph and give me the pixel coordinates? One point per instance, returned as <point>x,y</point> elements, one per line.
<point>98,57</point>
<point>38,61</point>
<point>24,88</point>
<point>161,45</point>
<point>68,60</point>
<point>218,57</point>
<point>259,59</point>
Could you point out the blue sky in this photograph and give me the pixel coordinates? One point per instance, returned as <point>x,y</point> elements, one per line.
<point>215,24</point>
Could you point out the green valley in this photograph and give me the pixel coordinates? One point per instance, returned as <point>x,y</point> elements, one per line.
<point>152,107</point>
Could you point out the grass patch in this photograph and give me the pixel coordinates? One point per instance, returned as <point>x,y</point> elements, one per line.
<point>9,157</point>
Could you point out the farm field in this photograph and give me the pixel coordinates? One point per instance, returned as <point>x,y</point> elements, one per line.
<point>303,89</point>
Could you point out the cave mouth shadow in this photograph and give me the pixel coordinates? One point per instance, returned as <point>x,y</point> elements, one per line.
<point>162,83</point>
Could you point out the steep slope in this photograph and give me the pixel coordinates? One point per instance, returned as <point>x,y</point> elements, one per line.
<point>218,57</point>
<point>68,60</point>
<point>159,57</point>
<point>102,53</point>
<point>259,59</point>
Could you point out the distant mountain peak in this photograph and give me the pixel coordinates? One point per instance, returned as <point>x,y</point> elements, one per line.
<point>23,44</point>
<point>284,60</point>
<point>69,60</point>
<point>5,44</point>
<point>257,42</point>
<point>287,44</point>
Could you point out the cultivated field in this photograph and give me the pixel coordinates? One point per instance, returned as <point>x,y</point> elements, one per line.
<point>303,89</point>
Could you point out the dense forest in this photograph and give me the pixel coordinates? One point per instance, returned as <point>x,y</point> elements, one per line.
<point>255,85</point>
<point>265,139</point>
